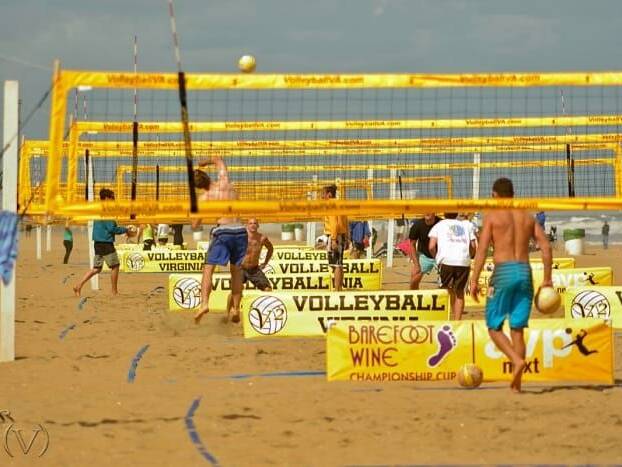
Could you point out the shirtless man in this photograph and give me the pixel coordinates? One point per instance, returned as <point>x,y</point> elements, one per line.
<point>251,269</point>
<point>229,239</point>
<point>510,291</point>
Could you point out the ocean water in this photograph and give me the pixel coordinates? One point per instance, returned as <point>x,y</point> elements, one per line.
<point>591,221</point>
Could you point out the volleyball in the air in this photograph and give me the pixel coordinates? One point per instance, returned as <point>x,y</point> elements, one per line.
<point>131,231</point>
<point>247,63</point>
<point>267,314</point>
<point>187,293</point>
<point>470,376</point>
<point>547,300</point>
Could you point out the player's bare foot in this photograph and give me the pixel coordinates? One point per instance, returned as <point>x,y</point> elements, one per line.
<point>517,374</point>
<point>200,313</point>
<point>235,317</point>
<point>76,290</point>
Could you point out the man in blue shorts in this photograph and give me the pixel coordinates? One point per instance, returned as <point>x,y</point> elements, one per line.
<point>510,290</point>
<point>228,243</point>
<point>422,260</point>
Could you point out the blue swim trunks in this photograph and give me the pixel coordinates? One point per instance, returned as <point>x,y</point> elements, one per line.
<point>426,263</point>
<point>228,245</point>
<point>510,293</point>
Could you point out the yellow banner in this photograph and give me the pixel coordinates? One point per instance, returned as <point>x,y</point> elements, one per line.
<point>184,290</point>
<point>556,350</point>
<point>296,254</point>
<point>536,263</point>
<point>351,266</point>
<point>204,245</point>
<point>295,314</point>
<point>595,302</point>
<point>162,261</point>
<point>562,280</point>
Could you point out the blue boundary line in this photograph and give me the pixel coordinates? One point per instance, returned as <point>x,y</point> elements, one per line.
<point>194,436</point>
<point>277,374</point>
<point>64,332</point>
<point>82,303</point>
<point>131,374</point>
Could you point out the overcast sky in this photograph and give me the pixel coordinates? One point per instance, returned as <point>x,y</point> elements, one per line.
<point>305,36</point>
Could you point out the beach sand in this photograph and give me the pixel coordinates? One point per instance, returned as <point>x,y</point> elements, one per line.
<point>77,387</point>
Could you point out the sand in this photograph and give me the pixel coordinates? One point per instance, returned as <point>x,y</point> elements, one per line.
<point>78,387</point>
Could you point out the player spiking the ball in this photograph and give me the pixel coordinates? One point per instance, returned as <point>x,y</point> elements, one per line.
<point>229,239</point>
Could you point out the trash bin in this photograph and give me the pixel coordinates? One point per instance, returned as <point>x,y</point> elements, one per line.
<point>574,241</point>
<point>298,232</point>
<point>287,232</point>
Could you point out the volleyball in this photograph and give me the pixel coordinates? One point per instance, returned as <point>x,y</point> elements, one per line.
<point>267,315</point>
<point>547,300</point>
<point>131,231</point>
<point>590,304</point>
<point>470,376</point>
<point>187,293</point>
<point>247,63</point>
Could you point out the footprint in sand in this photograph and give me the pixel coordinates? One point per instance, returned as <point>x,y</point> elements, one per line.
<point>446,343</point>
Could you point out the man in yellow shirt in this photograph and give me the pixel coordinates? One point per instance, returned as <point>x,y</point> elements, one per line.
<point>336,227</point>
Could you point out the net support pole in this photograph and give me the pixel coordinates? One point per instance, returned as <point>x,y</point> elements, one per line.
<point>90,184</point>
<point>312,226</point>
<point>370,195</point>
<point>38,240</point>
<point>9,203</point>
<point>477,158</point>
<point>48,238</point>
<point>391,227</point>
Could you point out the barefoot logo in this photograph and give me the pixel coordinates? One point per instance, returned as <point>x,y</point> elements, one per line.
<point>267,314</point>
<point>187,293</point>
<point>446,343</point>
<point>134,262</point>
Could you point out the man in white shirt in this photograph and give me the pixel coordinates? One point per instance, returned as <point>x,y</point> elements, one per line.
<point>162,234</point>
<point>453,244</point>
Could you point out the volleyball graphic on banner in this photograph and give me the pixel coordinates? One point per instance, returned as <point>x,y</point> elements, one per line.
<point>590,304</point>
<point>267,314</point>
<point>134,262</point>
<point>187,293</point>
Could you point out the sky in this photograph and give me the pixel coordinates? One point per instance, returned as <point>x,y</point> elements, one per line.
<point>418,36</point>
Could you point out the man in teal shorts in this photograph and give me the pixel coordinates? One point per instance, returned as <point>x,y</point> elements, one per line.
<point>422,260</point>
<point>510,291</point>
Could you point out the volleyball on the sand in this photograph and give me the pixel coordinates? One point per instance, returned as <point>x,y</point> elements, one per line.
<point>547,300</point>
<point>247,63</point>
<point>470,376</point>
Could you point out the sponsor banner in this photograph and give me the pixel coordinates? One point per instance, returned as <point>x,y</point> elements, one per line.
<point>562,280</point>
<point>296,314</point>
<point>202,245</point>
<point>556,350</point>
<point>536,263</point>
<point>352,266</point>
<point>184,290</point>
<point>140,246</point>
<point>595,302</point>
<point>296,254</point>
<point>162,261</point>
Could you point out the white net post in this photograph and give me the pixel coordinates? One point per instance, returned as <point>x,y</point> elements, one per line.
<point>370,195</point>
<point>90,195</point>
<point>391,227</point>
<point>38,240</point>
<point>9,203</point>
<point>48,238</point>
<point>311,226</point>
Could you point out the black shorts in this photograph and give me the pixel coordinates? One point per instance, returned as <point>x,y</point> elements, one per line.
<point>336,247</point>
<point>359,246</point>
<point>257,277</point>
<point>454,277</point>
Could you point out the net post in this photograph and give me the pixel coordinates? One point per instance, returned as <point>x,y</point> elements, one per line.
<point>370,195</point>
<point>391,226</point>
<point>57,126</point>
<point>9,203</point>
<point>187,143</point>
<point>476,175</point>
<point>157,193</point>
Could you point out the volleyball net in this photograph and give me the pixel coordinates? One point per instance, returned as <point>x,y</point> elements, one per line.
<point>392,144</point>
